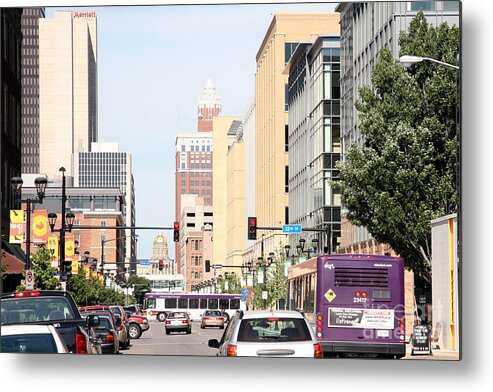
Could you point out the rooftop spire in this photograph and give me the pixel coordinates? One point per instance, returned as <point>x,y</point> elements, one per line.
<point>209,96</point>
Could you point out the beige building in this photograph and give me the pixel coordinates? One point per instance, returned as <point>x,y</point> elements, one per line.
<point>221,138</point>
<point>285,32</point>
<point>235,205</point>
<point>67,88</point>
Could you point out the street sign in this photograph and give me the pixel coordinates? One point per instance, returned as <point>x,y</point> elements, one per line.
<point>289,229</point>
<point>145,262</point>
<point>217,266</point>
<point>264,294</point>
<point>244,294</point>
<point>29,280</point>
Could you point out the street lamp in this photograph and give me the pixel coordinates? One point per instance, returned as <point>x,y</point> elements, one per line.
<point>407,61</point>
<point>40,184</point>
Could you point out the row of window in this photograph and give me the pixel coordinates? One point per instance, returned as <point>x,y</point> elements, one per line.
<point>197,166</point>
<point>196,148</point>
<point>203,303</point>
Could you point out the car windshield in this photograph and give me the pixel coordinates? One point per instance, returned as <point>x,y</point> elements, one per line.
<point>273,329</point>
<point>104,324</point>
<point>28,343</point>
<point>35,309</point>
<point>213,313</point>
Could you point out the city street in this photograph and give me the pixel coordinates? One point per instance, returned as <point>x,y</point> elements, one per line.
<point>155,341</point>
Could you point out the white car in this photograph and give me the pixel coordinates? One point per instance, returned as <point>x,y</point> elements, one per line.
<point>282,333</point>
<point>31,339</point>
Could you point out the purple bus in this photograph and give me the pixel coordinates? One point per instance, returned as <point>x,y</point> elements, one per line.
<point>158,305</point>
<point>359,305</point>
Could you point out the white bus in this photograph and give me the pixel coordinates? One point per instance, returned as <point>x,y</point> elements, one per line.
<point>158,305</point>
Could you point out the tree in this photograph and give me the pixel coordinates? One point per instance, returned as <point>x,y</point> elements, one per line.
<point>92,291</point>
<point>141,286</point>
<point>44,274</point>
<point>405,174</point>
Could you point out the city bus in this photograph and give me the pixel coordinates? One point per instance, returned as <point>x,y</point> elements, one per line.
<point>158,305</point>
<point>355,301</point>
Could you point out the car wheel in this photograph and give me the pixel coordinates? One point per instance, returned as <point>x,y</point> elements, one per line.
<point>134,331</point>
<point>168,332</point>
<point>189,331</point>
<point>161,317</point>
<point>202,326</point>
<point>221,327</point>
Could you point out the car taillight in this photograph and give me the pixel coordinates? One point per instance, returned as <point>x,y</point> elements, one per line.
<point>80,344</point>
<point>184,321</point>
<point>317,351</point>
<point>31,293</point>
<point>109,338</point>
<point>168,322</point>
<point>231,350</point>
<point>206,318</point>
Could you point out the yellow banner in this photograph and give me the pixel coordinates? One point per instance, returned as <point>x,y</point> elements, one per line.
<point>69,247</point>
<point>40,227</point>
<point>88,271</point>
<point>17,226</point>
<point>75,266</point>
<point>53,247</point>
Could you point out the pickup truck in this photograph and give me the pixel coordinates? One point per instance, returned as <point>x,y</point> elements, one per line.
<point>52,307</point>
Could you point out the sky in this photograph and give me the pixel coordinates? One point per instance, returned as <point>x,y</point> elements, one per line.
<point>153,62</point>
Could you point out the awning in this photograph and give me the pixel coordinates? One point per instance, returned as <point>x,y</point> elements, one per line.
<point>11,259</point>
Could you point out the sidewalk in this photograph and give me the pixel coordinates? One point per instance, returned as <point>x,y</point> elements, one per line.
<point>437,355</point>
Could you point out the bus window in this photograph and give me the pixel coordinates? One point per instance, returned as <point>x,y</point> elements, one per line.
<point>213,304</point>
<point>223,303</point>
<point>151,303</point>
<point>193,303</point>
<point>234,304</point>
<point>170,303</point>
<point>203,303</point>
<point>182,303</point>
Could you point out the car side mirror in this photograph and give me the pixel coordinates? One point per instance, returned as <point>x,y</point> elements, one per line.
<point>213,343</point>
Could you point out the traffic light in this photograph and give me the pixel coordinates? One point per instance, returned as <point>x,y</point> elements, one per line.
<point>66,270</point>
<point>207,266</point>
<point>161,265</point>
<point>252,228</point>
<point>176,231</point>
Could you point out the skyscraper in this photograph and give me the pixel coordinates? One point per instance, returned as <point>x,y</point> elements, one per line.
<point>209,107</point>
<point>30,88</point>
<point>68,89</point>
<point>106,167</point>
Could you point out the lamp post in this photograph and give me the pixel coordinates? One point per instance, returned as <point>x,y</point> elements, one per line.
<point>67,223</point>
<point>407,61</point>
<point>264,264</point>
<point>40,184</point>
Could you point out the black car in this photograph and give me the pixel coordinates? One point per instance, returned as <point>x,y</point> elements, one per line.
<point>106,332</point>
<point>52,307</point>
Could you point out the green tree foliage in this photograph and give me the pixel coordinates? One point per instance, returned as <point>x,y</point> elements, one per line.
<point>91,291</point>
<point>406,172</point>
<point>44,274</point>
<point>141,286</point>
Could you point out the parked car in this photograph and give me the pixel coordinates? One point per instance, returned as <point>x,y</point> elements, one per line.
<point>52,307</point>
<point>123,336</point>
<point>212,318</point>
<point>284,334</point>
<point>118,310</point>
<point>106,331</point>
<point>178,322</point>
<point>137,325</point>
<point>32,339</point>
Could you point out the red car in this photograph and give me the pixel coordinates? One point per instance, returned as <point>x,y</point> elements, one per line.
<point>137,325</point>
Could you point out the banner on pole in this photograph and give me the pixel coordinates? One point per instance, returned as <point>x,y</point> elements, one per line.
<point>52,246</point>
<point>69,247</point>
<point>17,227</point>
<point>40,227</point>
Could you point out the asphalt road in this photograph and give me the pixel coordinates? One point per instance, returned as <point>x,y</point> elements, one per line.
<point>154,341</point>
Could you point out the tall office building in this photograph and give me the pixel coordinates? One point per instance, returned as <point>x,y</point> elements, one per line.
<point>314,140</point>
<point>365,29</point>
<point>68,89</point>
<point>106,167</point>
<point>283,35</point>
<point>209,107</point>
<point>30,88</point>
<point>194,158</point>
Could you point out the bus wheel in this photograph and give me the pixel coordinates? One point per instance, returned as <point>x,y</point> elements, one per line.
<point>161,317</point>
